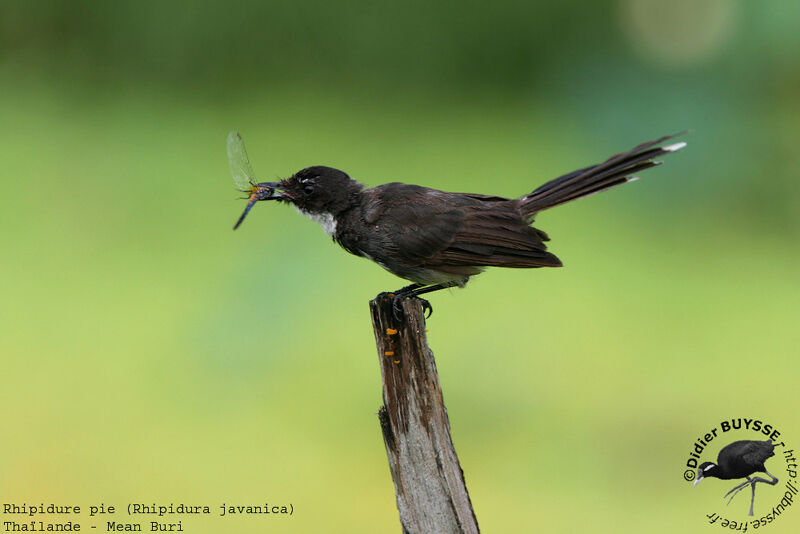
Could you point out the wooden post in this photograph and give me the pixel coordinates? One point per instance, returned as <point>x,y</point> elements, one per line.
<point>428,480</point>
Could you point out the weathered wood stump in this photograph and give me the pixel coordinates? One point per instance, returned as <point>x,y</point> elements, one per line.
<point>429,483</point>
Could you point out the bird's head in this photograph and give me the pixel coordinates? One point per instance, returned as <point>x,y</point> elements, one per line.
<point>706,469</point>
<point>318,189</point>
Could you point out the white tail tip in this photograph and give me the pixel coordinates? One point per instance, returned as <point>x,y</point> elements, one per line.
<point>632,178</point>
<point>674,148</point>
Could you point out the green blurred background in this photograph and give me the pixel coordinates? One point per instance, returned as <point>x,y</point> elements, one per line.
<point>150,354</point>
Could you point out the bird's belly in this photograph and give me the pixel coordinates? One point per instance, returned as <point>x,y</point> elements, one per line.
<point>426,275</point>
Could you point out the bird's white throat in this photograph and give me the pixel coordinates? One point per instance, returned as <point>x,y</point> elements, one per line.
<point>326,220</point>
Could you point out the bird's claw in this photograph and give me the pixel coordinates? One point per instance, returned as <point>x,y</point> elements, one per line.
<point>397,307</point>
<point>397,304</point>
<point>426,307</point>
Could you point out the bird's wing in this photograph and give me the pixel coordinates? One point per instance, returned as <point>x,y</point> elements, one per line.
<point>497,235</point>
<point>744,454</point>
<point>416,228</point>
<point>758,452</point>
<point>440,230</point>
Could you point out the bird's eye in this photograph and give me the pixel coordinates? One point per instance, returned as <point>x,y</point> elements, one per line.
<point>308,189</point>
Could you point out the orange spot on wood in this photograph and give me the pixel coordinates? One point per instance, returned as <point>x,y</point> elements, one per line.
<point>391,331</point>
<point>389,353</point>
<point>397,361</point>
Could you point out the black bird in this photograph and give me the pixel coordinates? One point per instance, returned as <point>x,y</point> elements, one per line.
<point>740,459</point>
<point>433,238</point>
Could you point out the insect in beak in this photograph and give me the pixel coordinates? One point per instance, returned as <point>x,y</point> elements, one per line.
<point>262,191</point>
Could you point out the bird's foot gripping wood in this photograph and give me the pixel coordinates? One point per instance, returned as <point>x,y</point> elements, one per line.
<point>397,299</point>
<point>397,306</point>
<point>413,291</point>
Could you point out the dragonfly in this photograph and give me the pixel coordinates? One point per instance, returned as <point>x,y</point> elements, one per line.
<point>244,177</point>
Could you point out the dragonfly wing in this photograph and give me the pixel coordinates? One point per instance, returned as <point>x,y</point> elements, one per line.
<point>239,163</point>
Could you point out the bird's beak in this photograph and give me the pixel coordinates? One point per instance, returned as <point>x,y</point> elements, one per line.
<point>270,191</point>
<point>697,481</point>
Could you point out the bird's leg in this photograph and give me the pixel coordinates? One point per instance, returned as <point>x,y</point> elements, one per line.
<point>770,482</point>
<point>752,483</point>
<point>765,481</point>
<point>756,480</point>
<point>397,298</point>
<point>385,294</point>
<point>426,306</point>
<point>413,291</point>
<point>737,489</point>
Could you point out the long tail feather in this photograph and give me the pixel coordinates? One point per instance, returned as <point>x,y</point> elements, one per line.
<point>614,171</point>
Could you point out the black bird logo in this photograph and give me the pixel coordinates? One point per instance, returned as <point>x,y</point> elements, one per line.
<point>740,459</point>
<point>432,238</point>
